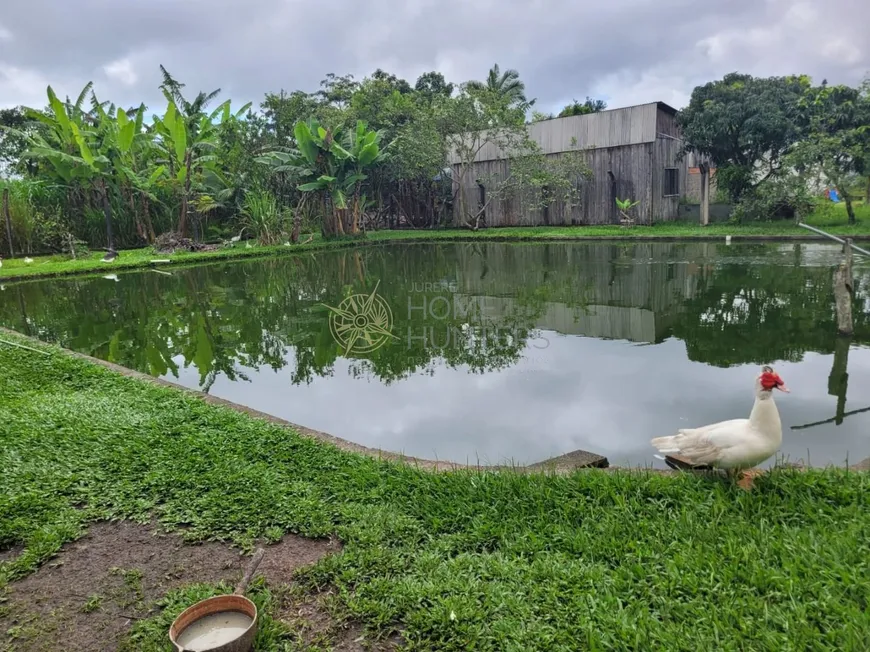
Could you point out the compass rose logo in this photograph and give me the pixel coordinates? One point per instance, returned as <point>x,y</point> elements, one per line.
<point>361,323</point>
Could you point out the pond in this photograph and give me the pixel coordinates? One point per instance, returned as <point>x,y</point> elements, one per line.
<point>491,352</point>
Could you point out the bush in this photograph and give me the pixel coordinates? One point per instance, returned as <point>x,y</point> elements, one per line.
<point>775,199</point>
<point>263,218</point>
<point>35,216</point>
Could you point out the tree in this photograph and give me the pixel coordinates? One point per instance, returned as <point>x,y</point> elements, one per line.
<point>485,118</point>
<point>329,164</point>
<point>584,108</point>
<point>746,125</point>
<point>283,111</point>
<point>189,152</point>
<point>76,147</point>
<point>394,82</point>
<point>838,137</point>
<point>431,85</point>
<point>192,112</point>
<point>506,85</point>
<point>14,129</point>
<point>337,90</point>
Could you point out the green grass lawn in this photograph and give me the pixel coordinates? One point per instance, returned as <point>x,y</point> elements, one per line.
<point>832,218</point>
<point>465,560</point>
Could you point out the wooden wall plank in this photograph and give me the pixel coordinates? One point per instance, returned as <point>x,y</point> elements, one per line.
<point>632,125</point>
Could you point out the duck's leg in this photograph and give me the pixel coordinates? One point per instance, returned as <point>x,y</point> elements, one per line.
<point>748,478</point>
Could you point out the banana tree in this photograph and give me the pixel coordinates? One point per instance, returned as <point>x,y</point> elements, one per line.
<point>187,152</point>
<point>75,150</point>
<point>363,148</point>
<point>329,170</point>
<point>128,145</point>
<point>323,161</point>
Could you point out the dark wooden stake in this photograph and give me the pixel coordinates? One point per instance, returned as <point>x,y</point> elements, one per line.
<point>843,291</point>
<point>705,193</point>
<point>242,586</point>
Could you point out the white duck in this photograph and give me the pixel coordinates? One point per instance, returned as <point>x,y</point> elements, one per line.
<point>733,445</point>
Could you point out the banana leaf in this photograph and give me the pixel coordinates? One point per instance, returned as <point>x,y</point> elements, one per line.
<point>305,142</point>
<point>340,152</point>
<point>339,199</point>
<point>59,113</point>
<point>87,156</point>
<point>179,139</point>
<point>156,174</point>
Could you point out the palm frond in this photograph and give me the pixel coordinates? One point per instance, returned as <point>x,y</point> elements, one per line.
<point>83,95</point>
<point>172,87</point>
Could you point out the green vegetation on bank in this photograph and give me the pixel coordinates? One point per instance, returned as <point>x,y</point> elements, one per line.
<point>459,560</point>
<point>381,153</point>
<point>60,264</point>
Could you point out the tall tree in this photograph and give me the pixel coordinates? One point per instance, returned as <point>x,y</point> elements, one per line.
<point>283,111</point>
<point>13,124</point>
<point>431,85</point>
<point>746,125</point>
<point>192,111</point>
<point>837,142</point>
<point>506,85</point>
<point>78,145</point>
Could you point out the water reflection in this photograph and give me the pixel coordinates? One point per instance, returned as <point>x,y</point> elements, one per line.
<point>500,351</point>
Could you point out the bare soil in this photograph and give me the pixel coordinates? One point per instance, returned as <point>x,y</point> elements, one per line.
<point>87,597</point>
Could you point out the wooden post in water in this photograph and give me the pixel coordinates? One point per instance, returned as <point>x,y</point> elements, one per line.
<point>8,218</point>
<point>843,290</point>
<point>705,193</point>
<point>838,380</point>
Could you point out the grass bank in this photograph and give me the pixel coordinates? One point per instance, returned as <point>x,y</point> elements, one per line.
<point>459,560</point>
<point>831,221</point>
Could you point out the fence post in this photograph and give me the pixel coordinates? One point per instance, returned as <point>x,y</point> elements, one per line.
<point>843,290</point>
<point>705,193</point>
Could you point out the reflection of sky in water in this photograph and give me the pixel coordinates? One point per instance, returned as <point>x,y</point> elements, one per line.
<point>609,397</point>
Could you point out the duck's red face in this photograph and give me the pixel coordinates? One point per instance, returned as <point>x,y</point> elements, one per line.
<point>770,380</point>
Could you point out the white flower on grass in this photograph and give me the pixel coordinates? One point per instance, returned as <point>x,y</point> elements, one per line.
<point>452,615</point>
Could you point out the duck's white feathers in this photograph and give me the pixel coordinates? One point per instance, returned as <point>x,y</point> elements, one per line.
<point>732,444</point>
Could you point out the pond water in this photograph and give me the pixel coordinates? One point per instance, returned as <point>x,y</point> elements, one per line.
<point>493,352</point>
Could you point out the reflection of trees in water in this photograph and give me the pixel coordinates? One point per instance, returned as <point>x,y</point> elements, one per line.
<point>225,318</point>
<point>762,313</point>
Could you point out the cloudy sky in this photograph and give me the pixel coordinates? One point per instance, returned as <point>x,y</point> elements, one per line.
<point>624,51</point>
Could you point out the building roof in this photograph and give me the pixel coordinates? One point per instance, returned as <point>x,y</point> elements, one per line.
<point>630,125</point>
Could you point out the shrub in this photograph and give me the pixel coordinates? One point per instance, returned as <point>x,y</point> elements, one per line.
<point>775,199</point>
<point>263,218</point>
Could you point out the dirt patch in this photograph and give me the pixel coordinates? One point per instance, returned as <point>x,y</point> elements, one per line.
<point>8,554</point>
<point>87,597</point>
<point>316,626</point>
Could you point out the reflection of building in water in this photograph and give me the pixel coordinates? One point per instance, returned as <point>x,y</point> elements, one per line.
<point>619,291</point>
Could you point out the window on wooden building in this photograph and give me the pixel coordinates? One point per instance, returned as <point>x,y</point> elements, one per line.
<point>672,182</point>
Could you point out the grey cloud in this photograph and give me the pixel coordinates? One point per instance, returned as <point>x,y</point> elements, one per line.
<point>627,51</point>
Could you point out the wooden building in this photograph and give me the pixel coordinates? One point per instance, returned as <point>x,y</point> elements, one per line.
<point>633,153</point>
